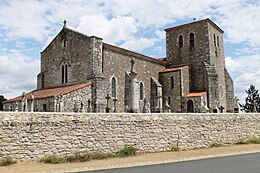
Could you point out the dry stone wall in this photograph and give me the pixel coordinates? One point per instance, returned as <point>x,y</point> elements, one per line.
<point>32,135</point>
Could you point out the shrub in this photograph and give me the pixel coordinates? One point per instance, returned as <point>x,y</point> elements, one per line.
<point>253,140</point>
<point>98,155</point>
<point>79,157</point>
<point>128,150</point>
<point>6,161</point>
<point>175,148</point>
<point>85,156</point>
<point>53,159</point>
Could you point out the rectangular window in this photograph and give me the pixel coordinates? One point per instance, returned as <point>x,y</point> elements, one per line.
<point>65,43</point>
<point>172,81</point>
<point>62,75</point>
<point>218,41</point>
<point>66,74</point>
<point>42,84</point>
<point>44,108</point>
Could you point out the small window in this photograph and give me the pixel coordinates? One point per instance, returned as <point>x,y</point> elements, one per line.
<point>180,41</point>
<point>191,39</point>
<point>214,39</point>
<point>113,87</point>
<point>141,91</point>
<point>64,73</point>
<point>216,53</point>
<point>172,82</point>
<point>44,108</point>
<point>218,41</point>
<point>42,82</point>
<point>190,107</point>
<point>65,43</point>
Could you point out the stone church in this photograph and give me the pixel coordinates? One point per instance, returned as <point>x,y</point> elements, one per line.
<point>81,73</point>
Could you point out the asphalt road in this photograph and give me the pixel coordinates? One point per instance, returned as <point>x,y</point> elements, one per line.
<point>247,163</point>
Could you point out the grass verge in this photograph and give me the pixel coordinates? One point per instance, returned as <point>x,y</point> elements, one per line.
<point>85,156</point>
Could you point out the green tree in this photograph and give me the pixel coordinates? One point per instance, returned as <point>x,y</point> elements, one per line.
<point>252,101</point>
<point>2,98</point>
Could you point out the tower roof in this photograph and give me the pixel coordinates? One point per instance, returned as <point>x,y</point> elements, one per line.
<point>191,23</point>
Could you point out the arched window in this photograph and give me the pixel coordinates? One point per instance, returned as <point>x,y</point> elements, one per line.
<point>64,73</point>
<point>113,87</point>
<point>180,41</point>
<point>141,91</point>
<point>214,39</point>
<point>191,39</point>
<point>190,107</point>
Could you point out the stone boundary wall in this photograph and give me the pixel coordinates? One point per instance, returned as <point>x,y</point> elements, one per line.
<point>28,135</point>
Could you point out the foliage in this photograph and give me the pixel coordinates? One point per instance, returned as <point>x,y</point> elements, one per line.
<point>85,156</point>
<point>250,140</point>
<point>241,142</point>
<point>175,148</point>
<point>252,101</point>
<point>2,99</point>
<point>128,150</point>
<point>253,140</point>
<point>6,161</point>
<point>53,159</point>
<point>216,145</point>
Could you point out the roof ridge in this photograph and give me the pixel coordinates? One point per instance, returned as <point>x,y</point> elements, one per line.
<point>137,53</point>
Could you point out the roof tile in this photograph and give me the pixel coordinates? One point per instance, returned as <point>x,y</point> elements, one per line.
<point>195,94</point>
<point>173,69</point>
<point>50,92</point>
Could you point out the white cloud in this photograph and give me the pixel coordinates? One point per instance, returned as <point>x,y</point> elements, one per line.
<point>138,44</point>
<point>17,74</point>
<point>245,71</point>
<point>241,22</point>
<point>160,34</point>
<point>232,65</point>
<point>113,30</point>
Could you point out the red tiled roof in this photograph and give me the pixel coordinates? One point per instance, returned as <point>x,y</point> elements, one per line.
<point>196,94</point>
<point>173,69</point>
<point>50,92</point>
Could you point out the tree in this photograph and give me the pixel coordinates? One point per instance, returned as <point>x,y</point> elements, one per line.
<point>2,98</point>
<point>252,101</point>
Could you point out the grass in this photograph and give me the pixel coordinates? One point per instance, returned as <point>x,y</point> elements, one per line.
<point>250,140</point>
<point>6,161</point>
<point>126,151</point>
<point>216,145</point>
<point>175,149</point>
<point>85,156</point>
<point>253,140</point>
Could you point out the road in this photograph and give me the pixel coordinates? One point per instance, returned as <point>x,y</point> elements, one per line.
<point>247,163</point>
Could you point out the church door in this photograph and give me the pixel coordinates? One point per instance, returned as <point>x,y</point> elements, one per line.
<point>190,107</point>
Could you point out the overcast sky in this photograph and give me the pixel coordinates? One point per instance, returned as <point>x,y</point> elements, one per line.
<point>27,26</point>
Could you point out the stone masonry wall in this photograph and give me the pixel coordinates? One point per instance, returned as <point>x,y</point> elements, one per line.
<point>31,135</point>
<point>145,68</point>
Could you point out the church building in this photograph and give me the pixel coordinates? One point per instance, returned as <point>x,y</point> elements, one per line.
<point>81,73</point>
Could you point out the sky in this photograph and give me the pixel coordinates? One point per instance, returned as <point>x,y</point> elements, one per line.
<point>28,26</point>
